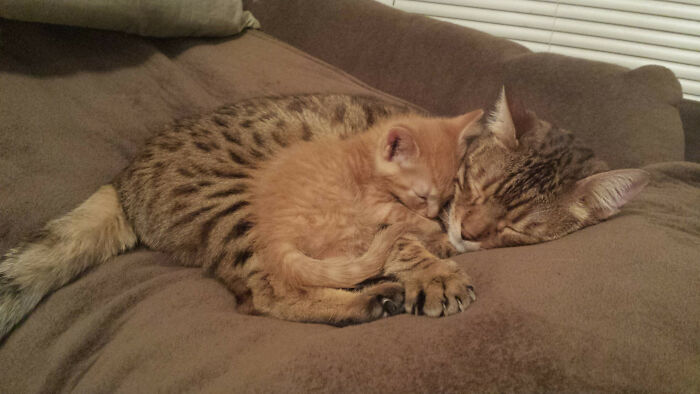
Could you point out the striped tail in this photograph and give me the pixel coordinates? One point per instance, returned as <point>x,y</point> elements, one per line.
<point>89,235</point>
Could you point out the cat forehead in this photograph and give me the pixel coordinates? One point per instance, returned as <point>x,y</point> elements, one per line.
<point>517,180</point>
<point>542,153</point>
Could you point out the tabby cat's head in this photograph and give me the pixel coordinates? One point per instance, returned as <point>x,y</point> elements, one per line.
<point>525,181</point>
<point>417,158</point>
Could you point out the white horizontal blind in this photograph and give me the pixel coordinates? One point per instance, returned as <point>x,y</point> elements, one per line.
<point>630,33</point>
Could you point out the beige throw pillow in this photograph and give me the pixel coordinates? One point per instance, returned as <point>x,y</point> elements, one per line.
<point>157,18</point>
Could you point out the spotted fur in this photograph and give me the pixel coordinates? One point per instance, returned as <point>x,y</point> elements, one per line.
<point>213,192</point>
<point>190,194</point>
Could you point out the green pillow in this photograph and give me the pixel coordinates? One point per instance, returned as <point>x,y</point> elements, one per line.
<point>157,18</point>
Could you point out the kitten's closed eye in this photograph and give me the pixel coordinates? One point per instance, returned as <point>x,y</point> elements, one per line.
<point>422,196</point>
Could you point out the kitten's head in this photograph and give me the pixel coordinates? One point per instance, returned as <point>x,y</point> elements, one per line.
<point>525,181</point>
<point>417,158</point>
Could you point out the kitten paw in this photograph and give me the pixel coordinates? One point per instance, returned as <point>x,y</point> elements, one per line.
<point>439,288</point>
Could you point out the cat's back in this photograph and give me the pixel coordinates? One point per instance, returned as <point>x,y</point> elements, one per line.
<point>191,185</point>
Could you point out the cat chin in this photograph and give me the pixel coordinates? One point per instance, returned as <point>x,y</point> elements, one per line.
<point>460,244</point>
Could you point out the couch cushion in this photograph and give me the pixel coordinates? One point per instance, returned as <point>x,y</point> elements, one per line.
<point>627,116</point>
<point>612,307</point>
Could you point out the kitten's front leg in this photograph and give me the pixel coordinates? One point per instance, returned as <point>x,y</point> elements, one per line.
<point>432,236</point>
<point>269,296</point>
<point>433,286</point>
<point>438,243</point>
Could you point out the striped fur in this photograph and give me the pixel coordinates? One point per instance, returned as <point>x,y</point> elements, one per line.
<point>212,193</point>
<point>89,235</point>
<point>525,180</point>
<point>190,193</point>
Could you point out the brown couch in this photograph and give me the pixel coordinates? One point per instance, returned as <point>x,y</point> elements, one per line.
<point>613,307</point>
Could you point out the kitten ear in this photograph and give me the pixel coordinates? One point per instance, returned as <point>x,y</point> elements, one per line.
<point>602,195</point>
<point>464,124</point>
<point>399,146</point>
<point>510,120</point>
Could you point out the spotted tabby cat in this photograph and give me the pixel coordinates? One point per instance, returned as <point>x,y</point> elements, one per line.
<point>286,200</point>
<point>203,215</point>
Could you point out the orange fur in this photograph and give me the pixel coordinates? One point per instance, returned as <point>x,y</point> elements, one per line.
<point>319,204</point>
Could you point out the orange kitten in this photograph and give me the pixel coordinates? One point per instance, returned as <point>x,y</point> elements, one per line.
<point>318,205</point>
<point>311,190</point>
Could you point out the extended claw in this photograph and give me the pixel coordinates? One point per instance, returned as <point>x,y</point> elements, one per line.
<point>470,291</point>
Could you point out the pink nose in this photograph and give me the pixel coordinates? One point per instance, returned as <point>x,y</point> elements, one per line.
<point>432,210</point>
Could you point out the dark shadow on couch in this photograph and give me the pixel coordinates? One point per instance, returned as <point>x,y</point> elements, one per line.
<point>25,50</point>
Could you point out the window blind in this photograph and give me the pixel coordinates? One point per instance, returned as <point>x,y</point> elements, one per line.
<point>630,33</point>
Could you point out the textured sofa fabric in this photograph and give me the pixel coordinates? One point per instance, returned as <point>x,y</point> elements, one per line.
<point>446,68</point>
<point>611,308</point>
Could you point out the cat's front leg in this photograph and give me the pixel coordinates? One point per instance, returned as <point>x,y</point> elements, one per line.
<point>433,286</point>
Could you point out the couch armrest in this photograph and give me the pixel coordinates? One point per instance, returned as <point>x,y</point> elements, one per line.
<point>628,117</point>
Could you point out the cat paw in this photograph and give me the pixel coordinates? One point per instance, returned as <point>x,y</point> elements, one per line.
<point>384,299</point>
<point>440,288</point>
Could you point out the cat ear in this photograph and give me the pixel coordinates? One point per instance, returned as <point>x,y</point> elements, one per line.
<point>510,120</point>
<point>602,195</point>
<point>399,146</point>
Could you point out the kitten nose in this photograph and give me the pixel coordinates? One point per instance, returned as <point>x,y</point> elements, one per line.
<point>432,210</point>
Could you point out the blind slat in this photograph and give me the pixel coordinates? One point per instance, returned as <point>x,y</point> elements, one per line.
<point>650,7</point>
<point>549,7</point>
<point>627,48</point>
<point>535,7</point>
<point>476,14</point>
<point>691,2</point>
<point>626,33</point>
<point>653,22</point>
<point>692,87</point>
